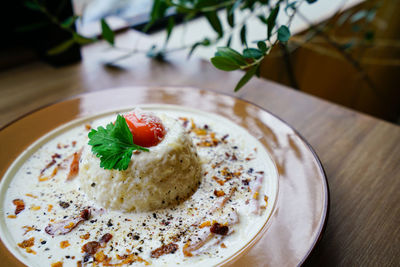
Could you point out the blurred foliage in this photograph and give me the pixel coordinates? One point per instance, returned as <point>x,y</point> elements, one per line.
<point>226,58</point>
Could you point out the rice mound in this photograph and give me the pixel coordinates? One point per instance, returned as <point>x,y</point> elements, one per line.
<point>166,175</point>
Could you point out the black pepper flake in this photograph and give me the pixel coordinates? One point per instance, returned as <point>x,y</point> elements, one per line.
<point>43,242</point>
<point>136,237</point>
<point>93,185</point>
<point>154,216</point>
<point>68,256</point>
<point>63,204</point>
<point>109,223</point>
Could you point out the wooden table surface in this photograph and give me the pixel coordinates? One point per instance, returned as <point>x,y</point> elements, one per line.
<point>360,154</point>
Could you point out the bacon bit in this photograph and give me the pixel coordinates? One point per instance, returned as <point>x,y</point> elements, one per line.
<point>255,195</point>
<point>70,225</point>
<point>105,238</point>
<point>185,121</point>
<point>200,132</point>
<point>79,264</point>
<point>74,167</point>
<point>29,250</point>
<point>221,182</point>
<point>247,159</point>
<point>85,214</point>
<point>91,247</point>
<point>205,224</point>
<point>27,243</point>
<point>20,205</point>
<point>219,193</point>
<point>85,236</point>
<point>223,245</point>
<point>66,226</point>
<point>11,216</point>
<point>49,207</point>
<point>219,229</point>
<point>128,259</point>
<point>88,127</point>
<point>64,244</point>
<point>186,251</point>
<point>35,207</point>
<point>101,257</point>
<point>73,143</point>
<point>171,248</point>
<point>266,199</point>
<point>28,229</point>
<point>57,264</point>
<point>59,146</point>
<point>43,178</point>
<point>30,195</point>
<point>192,124</point>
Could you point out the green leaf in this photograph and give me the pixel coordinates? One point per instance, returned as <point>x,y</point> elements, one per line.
<point>214,21</point>
<point>262,46</point>
<point>230,16</point>
<point>33,5</point>
<point>243,33</point>
<point>228,43</point>
<point>80,39</point>
<point>235,6</point>
<point>283,33</point>
<point>271,21</point>
<point>205,3</point>
<point>252,53</point>
<point>249,74</point>
<point>224,63</point>
<point>113,144</point>
<point>106,32</point>
<point>170,26</point>
<point>263,19</point>
<point>61,47</point>
<point>205,42</point>
<point>158,10</point>
<point>66,24</point>
<point>231,54</point>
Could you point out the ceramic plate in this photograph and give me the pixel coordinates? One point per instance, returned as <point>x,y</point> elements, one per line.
<point>300,212</point>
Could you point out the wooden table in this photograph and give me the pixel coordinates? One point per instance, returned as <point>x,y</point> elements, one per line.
<point>361,154</point>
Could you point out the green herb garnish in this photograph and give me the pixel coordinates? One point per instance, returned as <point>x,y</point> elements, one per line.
<point>113,145</point>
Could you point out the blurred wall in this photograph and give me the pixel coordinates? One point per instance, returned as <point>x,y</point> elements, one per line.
<point>317,68</point>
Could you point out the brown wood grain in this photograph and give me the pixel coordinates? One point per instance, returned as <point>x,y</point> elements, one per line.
<point>361,154</point>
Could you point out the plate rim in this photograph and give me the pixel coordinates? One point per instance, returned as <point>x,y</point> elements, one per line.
<point>326,204</point>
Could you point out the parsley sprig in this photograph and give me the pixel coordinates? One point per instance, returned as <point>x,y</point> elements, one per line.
<point>113,144</point>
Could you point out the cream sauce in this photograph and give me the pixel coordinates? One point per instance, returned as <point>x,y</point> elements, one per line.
<point>238,159</point>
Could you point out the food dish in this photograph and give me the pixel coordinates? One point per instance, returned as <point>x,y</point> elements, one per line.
<point>301,150</point>
<point>50,219</point>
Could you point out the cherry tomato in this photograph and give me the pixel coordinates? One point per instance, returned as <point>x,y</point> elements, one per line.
<point>147,129</point>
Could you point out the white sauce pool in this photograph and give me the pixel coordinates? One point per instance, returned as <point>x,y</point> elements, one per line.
<point>138,233</point>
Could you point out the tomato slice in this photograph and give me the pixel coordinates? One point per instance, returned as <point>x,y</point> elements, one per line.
<point>147,129</point>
